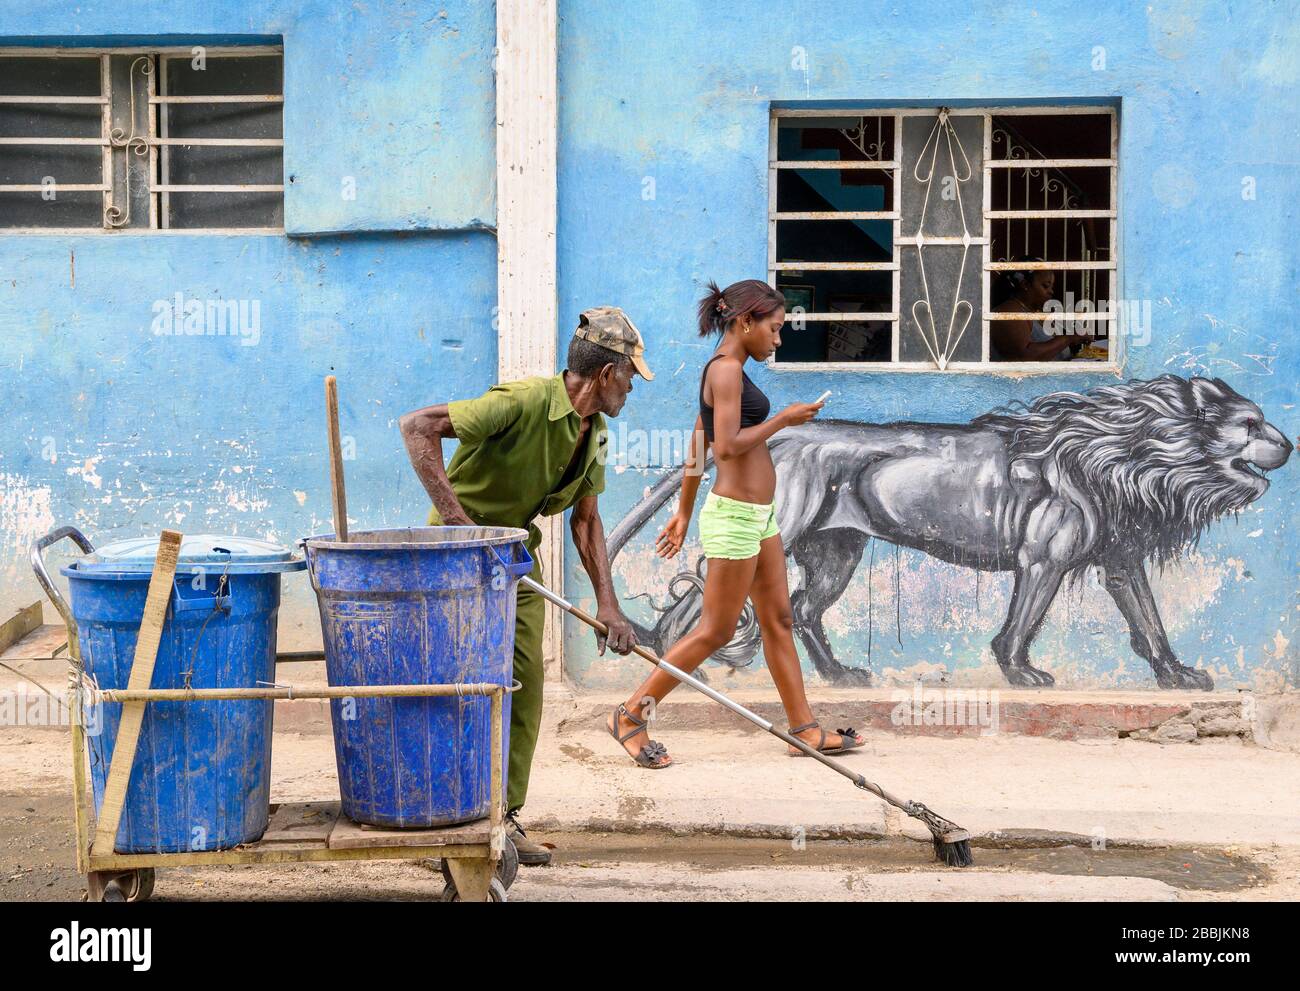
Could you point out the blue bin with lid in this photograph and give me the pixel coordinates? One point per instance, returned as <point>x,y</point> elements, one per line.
<point>422,605</point>
<point>201,778</point>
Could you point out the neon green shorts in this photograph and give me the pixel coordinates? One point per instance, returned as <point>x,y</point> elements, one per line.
<point>733,529</point>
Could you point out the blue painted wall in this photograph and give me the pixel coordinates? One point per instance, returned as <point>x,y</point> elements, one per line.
<point>677,94</point>
<point>120,430</point>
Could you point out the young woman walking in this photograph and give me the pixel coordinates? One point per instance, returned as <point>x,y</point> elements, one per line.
<point>737,525</point>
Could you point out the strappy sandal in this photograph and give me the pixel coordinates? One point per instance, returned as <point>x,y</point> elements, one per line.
<point>849,740</point>
<point>653,755</point>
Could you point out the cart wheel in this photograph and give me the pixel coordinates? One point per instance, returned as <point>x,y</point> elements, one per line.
<point>139,884</point>
<point>496,892</point>
<point>114,891</point>
<point>124,886</point>
<point>507,866</point>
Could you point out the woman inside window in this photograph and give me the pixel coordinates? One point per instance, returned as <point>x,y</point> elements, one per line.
<point>1029,340</point>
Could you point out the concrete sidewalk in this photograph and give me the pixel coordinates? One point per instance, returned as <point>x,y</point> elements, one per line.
<point>1085,819</point>
<point>1005,788</point>
<point>730,778</point>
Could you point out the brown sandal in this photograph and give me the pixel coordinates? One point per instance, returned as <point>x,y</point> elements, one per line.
<point>654,755</point>
<point>849,740</point>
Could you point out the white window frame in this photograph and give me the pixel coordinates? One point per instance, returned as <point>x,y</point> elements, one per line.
<point>1116,358</point>
<point>156,138</point>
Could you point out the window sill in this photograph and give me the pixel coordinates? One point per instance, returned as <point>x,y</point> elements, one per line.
<point>139,231</point>
<point>1010,369</point>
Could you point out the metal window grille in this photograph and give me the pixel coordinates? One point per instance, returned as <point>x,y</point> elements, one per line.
<point>142,140</point>
<point>888,230</point>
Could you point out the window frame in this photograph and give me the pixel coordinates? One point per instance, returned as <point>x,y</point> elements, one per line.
<point>155,138</point>
<point>986,113</point>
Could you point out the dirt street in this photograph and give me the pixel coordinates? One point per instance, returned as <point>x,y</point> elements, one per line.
<point>737,820</point>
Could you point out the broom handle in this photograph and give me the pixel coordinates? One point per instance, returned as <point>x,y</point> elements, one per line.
<point>337,490</point>
<point>721,699</point>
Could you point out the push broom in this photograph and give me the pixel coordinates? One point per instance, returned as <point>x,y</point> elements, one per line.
<point>951,842</point>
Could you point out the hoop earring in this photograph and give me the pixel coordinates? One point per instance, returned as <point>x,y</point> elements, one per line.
<point>747,328</point>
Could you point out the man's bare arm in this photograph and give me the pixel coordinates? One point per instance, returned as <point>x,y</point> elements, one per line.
<point>423,431</point>
<point>589,538</point>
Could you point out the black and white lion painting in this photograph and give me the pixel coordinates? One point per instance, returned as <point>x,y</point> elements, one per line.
<point>1110,479</point>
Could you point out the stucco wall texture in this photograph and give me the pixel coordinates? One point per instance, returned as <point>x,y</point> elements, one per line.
<point>662,184</point>
<point>120,430</point>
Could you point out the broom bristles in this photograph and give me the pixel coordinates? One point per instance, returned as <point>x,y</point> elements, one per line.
<point>951,842</point>
<point>953,854</point>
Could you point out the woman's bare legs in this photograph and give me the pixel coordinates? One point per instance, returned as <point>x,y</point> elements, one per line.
<point>770,594</point>
<point>726,586</point>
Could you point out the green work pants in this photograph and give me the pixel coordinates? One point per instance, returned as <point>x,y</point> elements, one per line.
<point>526,704</point>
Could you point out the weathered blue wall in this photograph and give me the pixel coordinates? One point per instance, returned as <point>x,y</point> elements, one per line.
<point>121,431</point>
<point>678,93</point>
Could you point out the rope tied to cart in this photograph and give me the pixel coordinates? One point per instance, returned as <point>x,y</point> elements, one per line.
<point>223,585</point>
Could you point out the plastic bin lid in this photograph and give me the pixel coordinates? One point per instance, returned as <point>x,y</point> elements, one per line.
<point>208,552</point>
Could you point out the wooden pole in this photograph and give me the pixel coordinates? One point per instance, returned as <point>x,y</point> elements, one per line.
<point>76,709</point>
<point>289,692</point>
<point>336,460</point>
<point>146,653</point>
<point>496,806</point>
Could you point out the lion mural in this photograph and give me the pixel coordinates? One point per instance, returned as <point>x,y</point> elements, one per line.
<point>1110,479</point>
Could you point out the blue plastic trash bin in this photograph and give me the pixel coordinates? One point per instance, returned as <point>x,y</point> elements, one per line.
<point>427,605</point>
<point>201,778</point>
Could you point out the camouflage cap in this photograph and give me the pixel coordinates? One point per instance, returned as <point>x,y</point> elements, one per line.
<point>611,328</point>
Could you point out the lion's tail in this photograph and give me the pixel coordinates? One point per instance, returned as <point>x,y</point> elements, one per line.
<point>681,614</point>
<point>642,512</point>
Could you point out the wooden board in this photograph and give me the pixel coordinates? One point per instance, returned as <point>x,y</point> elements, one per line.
<point>348,835</point>
<point>50,640</point>
<point>19,625</point>
<point>157,599</point>
<point>301,823</point>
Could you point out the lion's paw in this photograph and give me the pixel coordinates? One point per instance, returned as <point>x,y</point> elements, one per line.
<point>1027,676</point>
<point>1181,676</point>
<point>852,677</point>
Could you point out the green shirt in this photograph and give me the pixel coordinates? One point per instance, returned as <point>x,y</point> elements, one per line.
<point>516,440</point>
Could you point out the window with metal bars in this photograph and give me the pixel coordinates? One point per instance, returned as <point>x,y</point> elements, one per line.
<point>898,235</point>
<point>131,140</point>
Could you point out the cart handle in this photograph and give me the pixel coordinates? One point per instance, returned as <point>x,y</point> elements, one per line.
<point>43,576</point>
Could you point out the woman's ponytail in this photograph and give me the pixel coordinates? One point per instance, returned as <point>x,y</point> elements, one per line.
<point>750,297</point>
<point>711,310</point>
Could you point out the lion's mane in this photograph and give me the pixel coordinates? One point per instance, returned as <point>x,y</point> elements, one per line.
<point>1140,449</point>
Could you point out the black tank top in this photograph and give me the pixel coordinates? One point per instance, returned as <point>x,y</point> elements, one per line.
<point>754,406</point>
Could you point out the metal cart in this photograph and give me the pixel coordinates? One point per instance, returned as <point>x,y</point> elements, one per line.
<point>479,862</point>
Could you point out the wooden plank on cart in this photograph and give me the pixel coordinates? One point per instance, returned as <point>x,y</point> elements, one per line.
<point>349,835</point>
<point>301,822</point>
<point>156,602</point>
<point>19,625</point>
<point>46,641</point>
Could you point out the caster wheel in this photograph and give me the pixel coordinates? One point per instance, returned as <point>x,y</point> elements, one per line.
<point>114,891</point>
<point>139,884</point>
<point>496,892</point>
<point>128,886</point>
<point>507,866</point>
